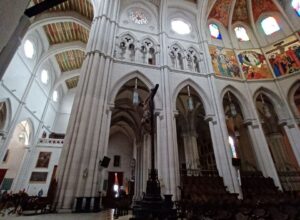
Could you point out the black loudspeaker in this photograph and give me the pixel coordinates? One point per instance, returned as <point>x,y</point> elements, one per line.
<point>105,162</point>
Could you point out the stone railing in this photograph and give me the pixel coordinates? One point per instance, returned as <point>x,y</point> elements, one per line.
<point>50,142</point>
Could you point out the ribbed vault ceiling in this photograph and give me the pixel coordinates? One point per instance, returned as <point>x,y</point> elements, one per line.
<point>223,9</point>
<point>65,32</point>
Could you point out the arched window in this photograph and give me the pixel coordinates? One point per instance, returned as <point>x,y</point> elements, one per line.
<point>215,31</point>
<point>296,6</point>
<point>241,34</point>
<point>270,25</point>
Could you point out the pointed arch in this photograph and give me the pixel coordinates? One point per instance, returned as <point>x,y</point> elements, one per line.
<point>115,88</point>
<point>243,102</point>
<point>149,38</point>
<point>290,97</point>
<point>277,102</point>
<point>200,92</point>
<point>129,33</point>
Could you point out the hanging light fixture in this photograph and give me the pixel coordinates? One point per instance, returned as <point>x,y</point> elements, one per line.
<point>232,106</point>
<point>190,100</point>
<point>135,96</point>
<point>265,108</point>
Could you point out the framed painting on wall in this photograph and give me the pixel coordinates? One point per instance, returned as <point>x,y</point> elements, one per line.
<point>38,177</point>
<point>43,160</point>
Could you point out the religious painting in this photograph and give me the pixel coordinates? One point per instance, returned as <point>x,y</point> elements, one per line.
<point>284,56</point>
<point>38,176</point>
<point>240,12</point>
<point>254,64</point>
<point>43,160</point>
<point>224,62</point>
<point>261,6</point>
<point>117,160</point>
<point>221,11</point>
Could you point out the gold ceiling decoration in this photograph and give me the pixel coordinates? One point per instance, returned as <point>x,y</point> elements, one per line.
<point>70,60</point>
<point>73,82</point>
<point>63,32</point>
<point>83,7</point>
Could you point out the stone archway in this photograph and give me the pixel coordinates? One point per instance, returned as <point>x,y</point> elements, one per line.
<point>195,146</point>
<point>281,150</point>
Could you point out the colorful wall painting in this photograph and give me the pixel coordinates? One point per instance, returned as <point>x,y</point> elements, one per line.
<point>261,6</point>
<point>240,12</point>
<point>224,62</point>
<point>221,11</point>
<point>254,64</point>
<point>284,56</point>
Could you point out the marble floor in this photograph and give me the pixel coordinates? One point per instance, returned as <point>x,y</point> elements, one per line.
<point>103,215</point>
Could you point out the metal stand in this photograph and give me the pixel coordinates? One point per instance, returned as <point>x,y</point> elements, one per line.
<point>152,206</point>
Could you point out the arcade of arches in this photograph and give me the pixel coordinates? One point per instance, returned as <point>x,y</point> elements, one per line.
<point>72,95</point>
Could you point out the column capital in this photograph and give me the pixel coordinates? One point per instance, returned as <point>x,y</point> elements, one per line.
<point>210,118</point>
<point>287,122</point>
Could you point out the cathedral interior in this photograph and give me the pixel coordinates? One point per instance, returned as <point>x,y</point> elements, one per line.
<point>74,78</point>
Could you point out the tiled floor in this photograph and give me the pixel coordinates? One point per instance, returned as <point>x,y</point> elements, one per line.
<point>104,215</point>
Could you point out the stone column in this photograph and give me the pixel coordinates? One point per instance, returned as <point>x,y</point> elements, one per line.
<point>292,131</point>
<point>191,150</point>
<point>262,151</point>
<point>87,135</point>
<point>169,172</point>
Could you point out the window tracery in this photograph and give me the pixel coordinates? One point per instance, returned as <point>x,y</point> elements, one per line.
<point>127,48</point>
<point>139,16</point>
<point>193,60</point>
<point>176,57</point>
<point>148,52</point>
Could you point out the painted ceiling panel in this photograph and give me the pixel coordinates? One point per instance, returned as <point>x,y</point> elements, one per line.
<point>73,82</point>
<point>261,6</point>
<point>63,32</point>
<point>70,60</point>
<point>221,11</point>
<point>83,7</point>
<point>240,12</point>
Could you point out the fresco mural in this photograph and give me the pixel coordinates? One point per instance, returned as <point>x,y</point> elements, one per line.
<point>224,62</point>
<point>240,12</point>
<point>261,6</point>
<point>221,11</point>
<point>284,56</point>
<point>254,64</point>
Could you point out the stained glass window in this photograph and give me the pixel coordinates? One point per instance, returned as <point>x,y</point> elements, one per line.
<point>138,16</point>
<point>296,6</point>
<point>214,31</point>
<point>270,25</point>
<point>241,34</point>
